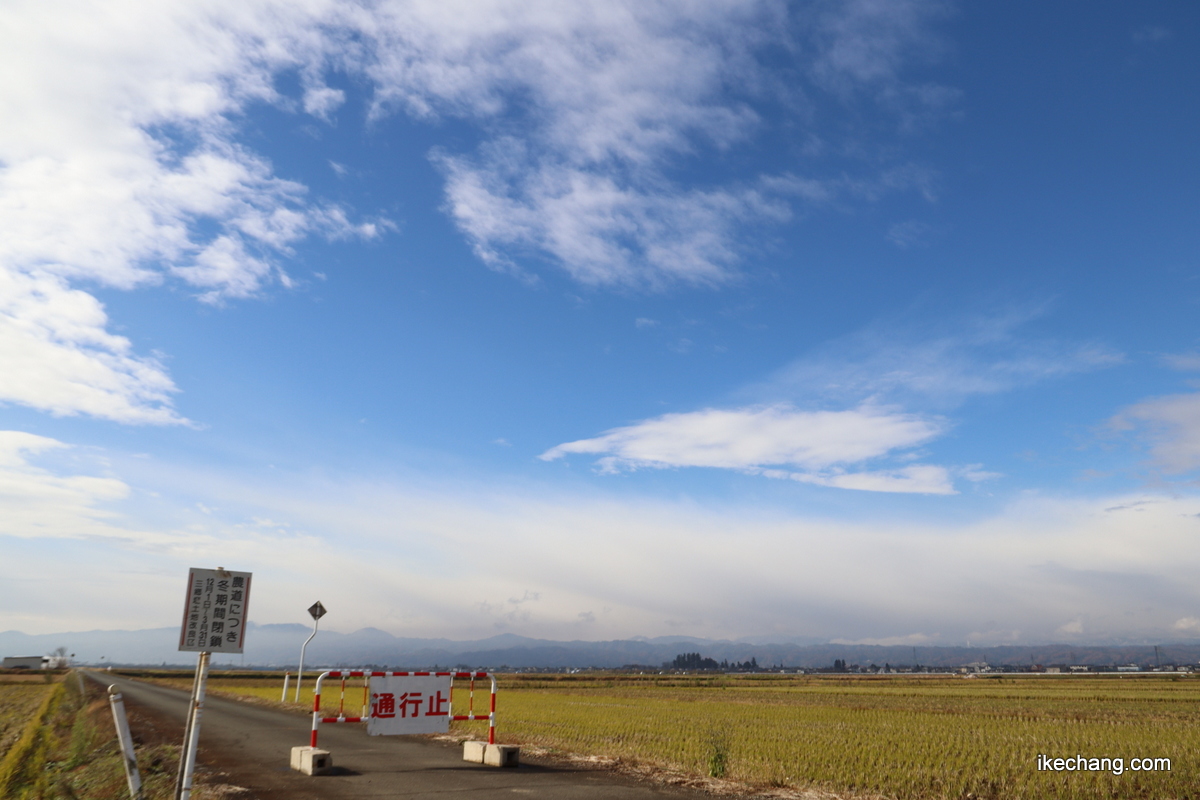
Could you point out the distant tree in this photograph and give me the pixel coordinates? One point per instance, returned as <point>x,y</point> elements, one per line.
<point>58,658</point>
<point>693,661</point>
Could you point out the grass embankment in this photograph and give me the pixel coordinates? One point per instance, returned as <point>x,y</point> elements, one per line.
<point>67,747</point>
<point>903,737</point>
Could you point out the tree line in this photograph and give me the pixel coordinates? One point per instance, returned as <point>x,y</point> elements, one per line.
<point>696,662</point>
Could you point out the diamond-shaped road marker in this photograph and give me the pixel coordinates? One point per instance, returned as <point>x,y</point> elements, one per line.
<point>317,610</point>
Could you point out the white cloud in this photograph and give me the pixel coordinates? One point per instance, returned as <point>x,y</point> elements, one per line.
<point>755,439</point>
<point>911,233</point>
<point>86,549</point>
<point>121,163</point>
<point>1184,362</point>
<point>39,503</point>
<point>876,374</point>
<point>321,101</point>
<point>57,356</point>
<point>599,230</point>
<point>865,43</point>
<point>603,97</point>
<point>914,479</point>
<point>124,139</point>
<point>391,554</point>
<point>911,640</point>
<point>1172,425</point>
<point>623,81</point>
<point>1072,628</point>
<point>119,167</point>
<point>907,364</point>
<point>591,107</point>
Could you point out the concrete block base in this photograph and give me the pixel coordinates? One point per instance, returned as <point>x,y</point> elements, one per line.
<point>501,755</point>
<point>311,760</point>
<point>473,751</point>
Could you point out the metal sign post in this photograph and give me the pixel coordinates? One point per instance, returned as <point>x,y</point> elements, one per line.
<point>214,621</point>
<point>317,611</point>
<point>187,730</point>
<point>192,742</point>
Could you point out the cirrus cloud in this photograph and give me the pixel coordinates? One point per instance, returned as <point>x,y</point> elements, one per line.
<point>1172,426</point>
<point>822,444</point>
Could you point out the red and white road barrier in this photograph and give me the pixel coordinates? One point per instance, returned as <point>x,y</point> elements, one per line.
<point>343,674</point>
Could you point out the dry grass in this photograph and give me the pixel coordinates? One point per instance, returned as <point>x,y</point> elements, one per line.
<point>20,697</point>
<point>67,748</point>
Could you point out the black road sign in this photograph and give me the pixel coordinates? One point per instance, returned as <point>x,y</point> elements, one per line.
<point>317,610</point>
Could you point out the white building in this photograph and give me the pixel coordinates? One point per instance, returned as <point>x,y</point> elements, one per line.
<point>24,662</point>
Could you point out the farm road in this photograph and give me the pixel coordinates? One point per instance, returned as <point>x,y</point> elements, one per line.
<point>251,745</point>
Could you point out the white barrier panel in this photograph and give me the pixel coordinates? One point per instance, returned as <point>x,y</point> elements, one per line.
<point>403,704</point>
<point>490,716</point>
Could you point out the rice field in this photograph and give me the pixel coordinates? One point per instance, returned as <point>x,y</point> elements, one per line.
<point>903,737</point>
<point>907,738</point>
<point>20,698</point>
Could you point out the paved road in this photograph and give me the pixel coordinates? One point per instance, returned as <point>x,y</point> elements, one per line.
<point>253,744</point>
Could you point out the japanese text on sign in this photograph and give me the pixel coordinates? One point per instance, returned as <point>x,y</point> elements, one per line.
<point>409,704</point>
<point>214,612</point>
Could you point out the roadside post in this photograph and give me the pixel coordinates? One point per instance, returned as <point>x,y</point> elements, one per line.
<point>132,776</point>
<point>214,621</point>
<point>317,611</point>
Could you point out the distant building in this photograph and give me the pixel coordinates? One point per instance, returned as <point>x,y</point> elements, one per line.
<point>24,662</point>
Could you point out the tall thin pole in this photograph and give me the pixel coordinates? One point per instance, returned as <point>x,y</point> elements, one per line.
<point>303,647</point>
<point>187,730</point>
<point>193,742</point>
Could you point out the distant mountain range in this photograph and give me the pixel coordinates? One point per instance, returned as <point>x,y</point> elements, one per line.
<point>279,646</point>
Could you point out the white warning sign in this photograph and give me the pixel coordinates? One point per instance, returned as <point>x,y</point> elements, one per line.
<point>214,612</point>
<point>409,704</point>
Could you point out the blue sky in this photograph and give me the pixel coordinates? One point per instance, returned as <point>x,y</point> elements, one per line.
<point>868,321</point>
